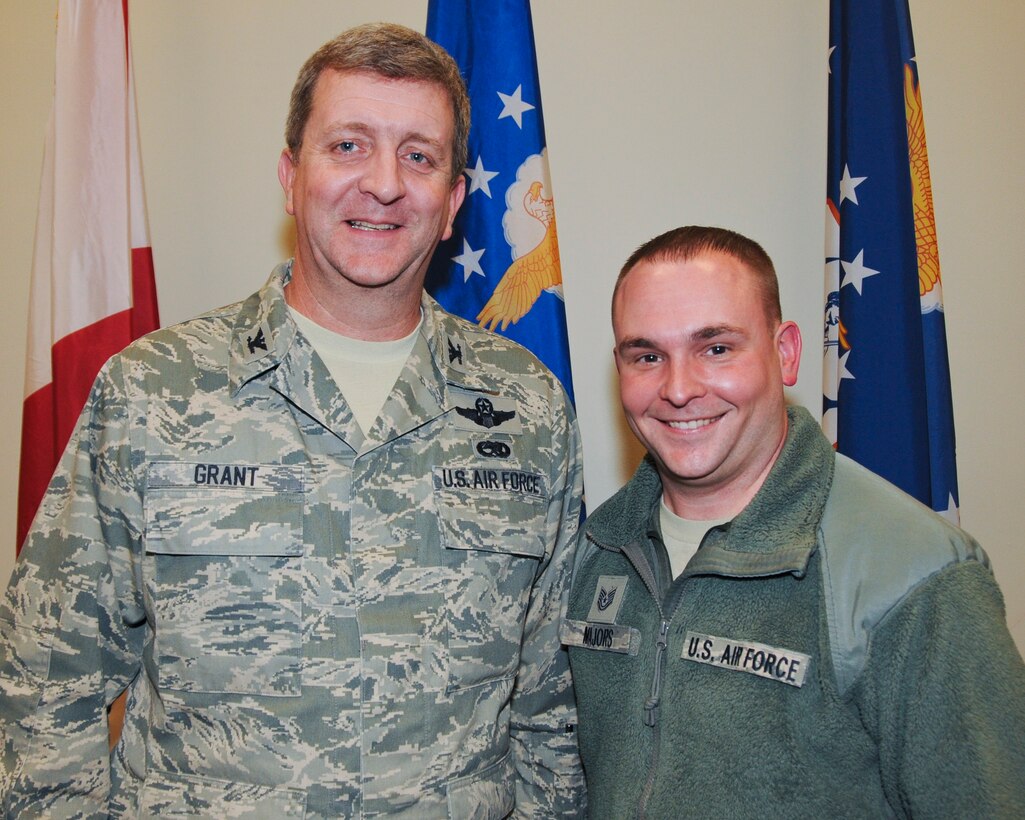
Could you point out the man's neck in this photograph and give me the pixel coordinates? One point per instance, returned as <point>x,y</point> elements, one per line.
<point>371,314</point>
<point>699,505</point>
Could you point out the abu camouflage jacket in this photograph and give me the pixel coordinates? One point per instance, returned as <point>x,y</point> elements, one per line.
<point>310,622</point>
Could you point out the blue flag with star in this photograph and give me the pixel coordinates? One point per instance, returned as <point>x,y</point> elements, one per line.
<point>886,380</point>
<point>500,268</point>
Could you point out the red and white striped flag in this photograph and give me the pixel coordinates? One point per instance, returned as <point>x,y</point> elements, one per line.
<point>93,289</point>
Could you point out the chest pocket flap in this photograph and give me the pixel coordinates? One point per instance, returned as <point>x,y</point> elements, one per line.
<point>224,546</point>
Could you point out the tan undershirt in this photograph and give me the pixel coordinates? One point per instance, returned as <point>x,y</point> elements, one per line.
<point>682,536</point>
<point>364,371</point>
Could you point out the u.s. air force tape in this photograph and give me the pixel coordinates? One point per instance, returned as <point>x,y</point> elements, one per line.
<point>783,665</point>
<point>485,480</point>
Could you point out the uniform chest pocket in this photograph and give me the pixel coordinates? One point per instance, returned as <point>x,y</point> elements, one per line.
<point>224,571</point>
<point>493,539</point>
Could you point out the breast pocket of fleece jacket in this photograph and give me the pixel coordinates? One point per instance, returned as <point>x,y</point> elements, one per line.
<point>224,555</point>
<point>493,541</point>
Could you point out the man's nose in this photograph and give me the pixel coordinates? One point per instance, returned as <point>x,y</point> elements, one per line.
<point>382,177</point>
<point>682,383</point>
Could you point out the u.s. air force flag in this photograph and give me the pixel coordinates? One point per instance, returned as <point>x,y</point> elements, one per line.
<point>501,266</point>
<point>886,381</point>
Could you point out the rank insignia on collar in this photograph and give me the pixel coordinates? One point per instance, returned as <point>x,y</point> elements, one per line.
<point>256,342</point>
<point>608,598</point>
<point>457,350</point>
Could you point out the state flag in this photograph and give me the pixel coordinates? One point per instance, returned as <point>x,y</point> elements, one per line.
<point>92,289</point>
<point>886,380</point>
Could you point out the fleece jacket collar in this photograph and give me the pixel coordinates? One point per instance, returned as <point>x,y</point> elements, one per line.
<point>775,533</point>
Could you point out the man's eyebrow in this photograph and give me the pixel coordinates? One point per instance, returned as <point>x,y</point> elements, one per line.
<point>699,335</point>
<point>714,331</point>
<point>345,125</point>
<point>366,128</point>
<point>439,150</point>
<point>637,342</point>
<point>416,136</point>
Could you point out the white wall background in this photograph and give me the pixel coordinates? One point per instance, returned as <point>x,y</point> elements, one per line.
<point>658,113</point>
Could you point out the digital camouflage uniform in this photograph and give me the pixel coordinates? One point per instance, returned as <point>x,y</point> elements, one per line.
<point>310,621</point>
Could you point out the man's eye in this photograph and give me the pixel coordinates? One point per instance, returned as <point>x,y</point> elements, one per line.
<point>649,358</point>
<point>718,350</point>
<point>418,157</point>
<point>346,146</point>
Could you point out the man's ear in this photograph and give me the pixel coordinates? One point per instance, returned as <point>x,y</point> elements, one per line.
<point>455,200</point>
<point>286,176</point>
<point>788,346</point>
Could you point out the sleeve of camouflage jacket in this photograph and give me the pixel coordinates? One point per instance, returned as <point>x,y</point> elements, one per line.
<point>543,723</point>
<point>72,621</point>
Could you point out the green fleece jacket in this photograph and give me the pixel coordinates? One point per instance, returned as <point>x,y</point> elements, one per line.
<point>837,650</point>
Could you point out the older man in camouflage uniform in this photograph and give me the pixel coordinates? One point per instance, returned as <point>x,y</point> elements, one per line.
<point>323,600</point>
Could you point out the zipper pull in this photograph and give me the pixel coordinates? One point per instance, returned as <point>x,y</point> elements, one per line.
<point>654,699</point>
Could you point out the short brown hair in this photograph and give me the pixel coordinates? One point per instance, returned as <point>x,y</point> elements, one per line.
<point>391,51</point>
<point>683,244</point>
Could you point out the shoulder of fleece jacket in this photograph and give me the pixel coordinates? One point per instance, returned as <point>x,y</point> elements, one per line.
<point>877,544</point>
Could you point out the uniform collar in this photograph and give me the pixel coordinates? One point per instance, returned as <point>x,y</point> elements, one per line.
<point>266,349</point>
<point>448,339</point>
<point>263,333</point>
<point>776,532</point>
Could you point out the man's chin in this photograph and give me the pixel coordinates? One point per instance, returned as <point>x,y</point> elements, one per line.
<point>687,474</point>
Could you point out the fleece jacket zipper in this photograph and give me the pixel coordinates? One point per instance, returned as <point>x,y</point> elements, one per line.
<point>634,553</point>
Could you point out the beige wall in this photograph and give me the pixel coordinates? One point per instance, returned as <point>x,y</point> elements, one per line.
<point>676,112</point>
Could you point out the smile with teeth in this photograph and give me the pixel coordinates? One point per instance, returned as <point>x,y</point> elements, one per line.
<point>369,226</point>
<point>691,425</point>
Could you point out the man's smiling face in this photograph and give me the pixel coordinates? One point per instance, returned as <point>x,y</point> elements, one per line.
<point>372,191</point>
<point>701,374</point>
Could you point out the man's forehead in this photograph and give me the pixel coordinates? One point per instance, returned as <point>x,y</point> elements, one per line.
<point>716,266</point>
<point>369,85</point>
<point>364,102</point>
<point>656,279</point>
<point>708,294</point>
